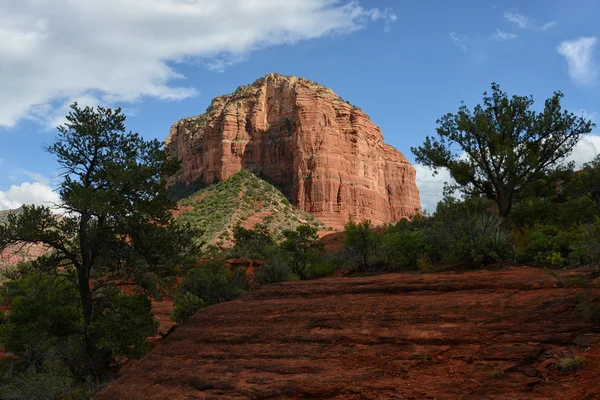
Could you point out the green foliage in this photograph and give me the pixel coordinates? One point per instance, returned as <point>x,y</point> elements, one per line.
<point>46,382</point>
<point>303,248</point>
<point>116,231</point>
<point>586,182</point>
<point>509,147</point>
<point>549,245</point>
<point>478,240</point>
<point>210,283</point>
<point>123,322</point>
<point>252,243</point>
<point>585,248</point>
<point>217,209</point>
<point>360,245</point>
<point>324,266</point>
<point>402,246</point>
<point>45,330</point>
<point>559,212</point>
<point>44,315</point>
<point>276,267</point>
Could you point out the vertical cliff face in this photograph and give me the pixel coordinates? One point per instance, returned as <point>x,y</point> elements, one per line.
<point>326,154</point>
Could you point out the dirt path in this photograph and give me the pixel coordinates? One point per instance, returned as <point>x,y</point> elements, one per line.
<point>477,335</point>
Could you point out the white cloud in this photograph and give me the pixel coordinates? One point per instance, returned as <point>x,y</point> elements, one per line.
<point>522,20</point>
<point>459,40</point>
<point>585,151</point>
<point>526,22</point>
<point>431,188</point>
<point>28,193</point>
<point>56,51</point>
<point>548,25</point>
<point>579,54</point>
<point>500,36</point>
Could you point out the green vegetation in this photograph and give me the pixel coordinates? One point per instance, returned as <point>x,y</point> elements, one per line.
<point>569,361</point>
<point>69,321</point>
<point>217,209</point>
<point>509,148</point>
<point>210,283</point>
<point>86,305</point>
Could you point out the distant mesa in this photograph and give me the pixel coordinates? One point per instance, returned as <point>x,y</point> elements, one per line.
<point>323,153</point>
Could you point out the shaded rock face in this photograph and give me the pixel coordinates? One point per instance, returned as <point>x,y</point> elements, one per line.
<point>326,155</point>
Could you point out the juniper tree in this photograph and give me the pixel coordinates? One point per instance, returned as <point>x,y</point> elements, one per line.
<point>503,147</point>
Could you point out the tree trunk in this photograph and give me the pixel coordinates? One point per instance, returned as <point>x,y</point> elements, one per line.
<point>87,307</point>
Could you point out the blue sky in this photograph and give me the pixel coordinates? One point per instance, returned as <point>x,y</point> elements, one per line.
<point>404,62</point>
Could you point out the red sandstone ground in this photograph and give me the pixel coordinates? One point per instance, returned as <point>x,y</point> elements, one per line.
<point>395,336</point>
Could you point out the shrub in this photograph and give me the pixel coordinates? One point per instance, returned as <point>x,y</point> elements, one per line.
<point>585,247</point>
<point>401,249</point>
<point>210,283</point>
<point>478,240</point>
<point>569,361</point>
<point>325,266</point>
<point>303,248</point>
<point>276,269</point>
<point>549,245</point>
<point>361,245</point>
<point>252,243</point>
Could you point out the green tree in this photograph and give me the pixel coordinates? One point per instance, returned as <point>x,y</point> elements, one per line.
<point>252,243</point>
<point>303,247</point>
<point>586,182</point>
<point>508,146</point>
<point>116,228</point>
<point>360,244</point>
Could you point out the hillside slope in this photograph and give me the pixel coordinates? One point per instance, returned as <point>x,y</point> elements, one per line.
<point>476,335</point>
<point>245,199</point>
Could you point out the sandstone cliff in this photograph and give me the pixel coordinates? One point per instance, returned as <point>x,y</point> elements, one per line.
<point>326,154</point>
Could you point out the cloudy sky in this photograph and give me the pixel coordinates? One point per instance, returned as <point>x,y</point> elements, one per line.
<point>404,62</point>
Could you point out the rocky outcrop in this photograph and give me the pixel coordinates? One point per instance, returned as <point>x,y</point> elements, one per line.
<point>326,155</point>
<point>472,335</point>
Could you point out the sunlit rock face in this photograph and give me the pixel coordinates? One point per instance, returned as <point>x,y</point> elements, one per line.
<point>326,154</point>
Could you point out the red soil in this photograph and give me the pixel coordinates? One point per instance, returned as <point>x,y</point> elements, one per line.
<point>476,335</point>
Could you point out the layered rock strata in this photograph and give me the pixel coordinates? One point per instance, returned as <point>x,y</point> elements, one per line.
<point>326,154</point>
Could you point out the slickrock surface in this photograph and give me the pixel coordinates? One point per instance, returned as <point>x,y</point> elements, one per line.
<point>326,153</point>
<point>476,335</point>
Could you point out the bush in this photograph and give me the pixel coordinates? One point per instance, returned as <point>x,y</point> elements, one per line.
<point>478,240</point>
<point>549,245</point>
<point>401,248</point>
<point>585,247</point>
<point>252,243</point>
<point>208,284</point>
<point>276,269</point>
<point>325,266</point>
<point>361,244</point>
<point>124,326</point>
<point>303,249</point>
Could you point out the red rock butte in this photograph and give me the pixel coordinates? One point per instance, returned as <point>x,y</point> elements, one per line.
<point>303,137</point>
